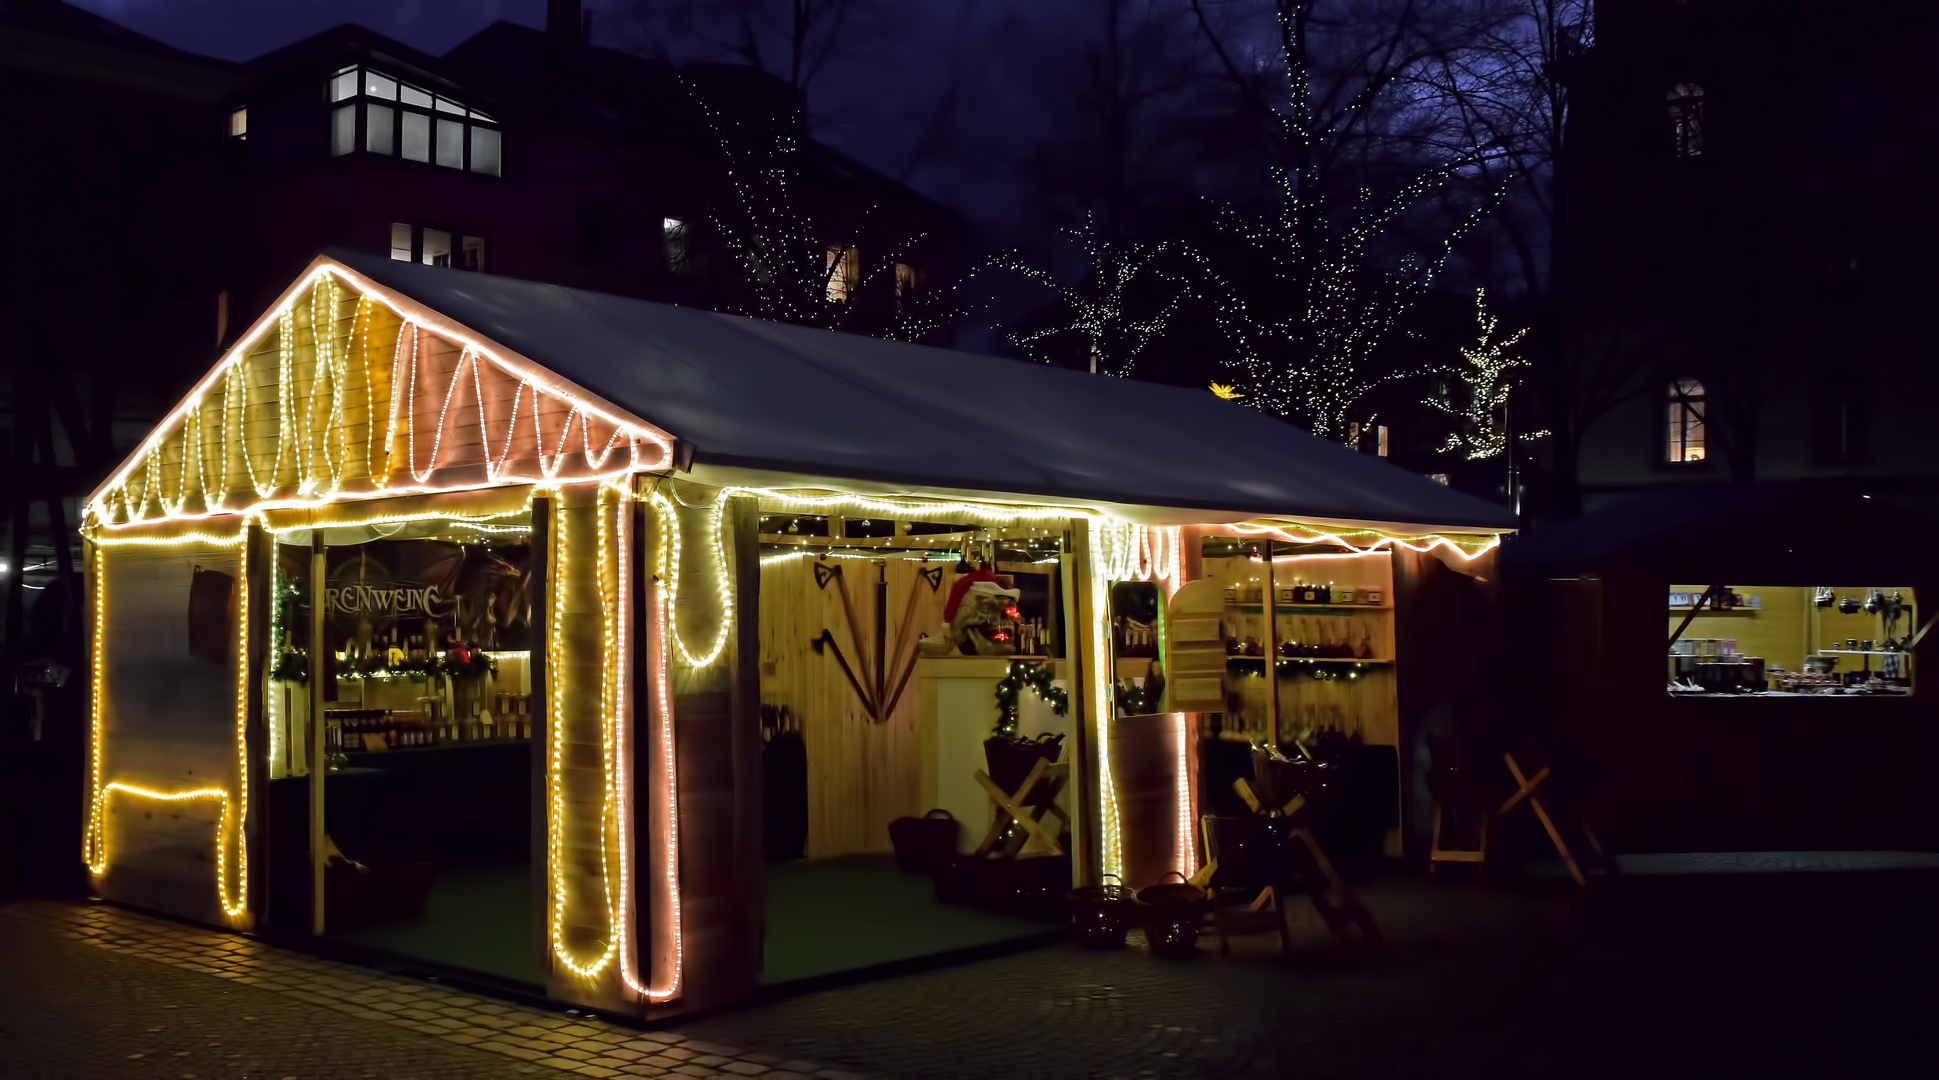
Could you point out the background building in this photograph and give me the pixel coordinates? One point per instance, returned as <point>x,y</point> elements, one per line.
<point>156,200</point>
<point>1746,246</point>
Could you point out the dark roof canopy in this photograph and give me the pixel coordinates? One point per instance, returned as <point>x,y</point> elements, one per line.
<point>1770,533</point>
<point>769,396</point>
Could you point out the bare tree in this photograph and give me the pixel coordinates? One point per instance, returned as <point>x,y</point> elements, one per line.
<point>797,267</point>
<point>1486,375</point>
<point>1348,100</point>
<point>1122,301</point>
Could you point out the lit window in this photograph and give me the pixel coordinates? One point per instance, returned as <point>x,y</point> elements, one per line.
<point>1684,440</point>
<point>906,281</point>
<point>417,137</point>
<point>1686,119</point>
<point>451,144</point>
<point>344,86</point>
<point>676,246</point>
<point>844,272</point>
<point>1380,439</point>
<point>437,247</point>
<point>484,151</point>
<point>239,124</point>
<point>472,254</point>
<point>343,130</point>
<point>379,136</point>
<point>400,241</point>
<point>403,124</point>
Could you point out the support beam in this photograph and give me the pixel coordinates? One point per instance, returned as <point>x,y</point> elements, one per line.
<point>319,670</point>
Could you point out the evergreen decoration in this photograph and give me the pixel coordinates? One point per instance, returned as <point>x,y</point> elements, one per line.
<point>1037,677</point>
<point>291,666</point>
<point>1133,700</point>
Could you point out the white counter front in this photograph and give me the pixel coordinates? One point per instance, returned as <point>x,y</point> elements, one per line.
<point>958,711</point>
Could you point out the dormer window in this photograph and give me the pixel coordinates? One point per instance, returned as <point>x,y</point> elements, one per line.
<point>377,114</point>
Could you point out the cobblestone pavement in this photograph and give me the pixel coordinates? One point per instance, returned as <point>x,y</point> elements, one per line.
<point>1816,975</point>
<point>92,991</point>
<point>1768,975</point>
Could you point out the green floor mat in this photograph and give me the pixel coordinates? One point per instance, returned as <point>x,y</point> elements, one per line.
<point>478,918</point>
<point>857,911</point>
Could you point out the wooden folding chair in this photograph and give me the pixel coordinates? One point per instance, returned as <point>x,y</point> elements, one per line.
<point>1526,787</point>
<point>1243,855</point>
<point>1026,807</point>
<point>1338,906</point>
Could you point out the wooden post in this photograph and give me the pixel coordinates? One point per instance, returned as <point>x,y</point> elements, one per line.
<point>1079,625</point>
<point>538,593</point>
<point>258,652</point>
<point>643,715</point>
<point>1271,611</point>
<point>318,672</point>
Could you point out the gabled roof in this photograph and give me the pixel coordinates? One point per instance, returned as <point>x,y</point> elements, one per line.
<point>756,395</point>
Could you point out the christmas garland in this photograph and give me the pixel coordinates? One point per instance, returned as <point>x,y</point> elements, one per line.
<point>1037,677</point>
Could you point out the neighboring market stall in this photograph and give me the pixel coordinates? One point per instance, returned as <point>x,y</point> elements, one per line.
<point>1735,668</point>
<point>593,645</point>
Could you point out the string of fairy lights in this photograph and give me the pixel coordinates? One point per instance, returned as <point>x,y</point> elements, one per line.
<point>1102,308</point>
<point>232,891</point>
<point>318,466</point>
<point>793,271</point>
<point>1486,372</point>
<point>304,458</point>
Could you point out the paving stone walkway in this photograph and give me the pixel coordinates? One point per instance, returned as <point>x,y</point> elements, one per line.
<point>96,991</point>
<point>1808,974</point>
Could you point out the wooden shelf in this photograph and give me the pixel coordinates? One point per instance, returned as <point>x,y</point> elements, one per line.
<point>1316,659</point>
<point>1860,652</point>
<point>1292,608</point>
<point>1711,613</point>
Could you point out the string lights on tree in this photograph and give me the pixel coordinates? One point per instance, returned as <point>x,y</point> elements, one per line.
<point>794,269</point>
<point>1333,279</point>
<point>1121,303</point>
<point>1486,374</point>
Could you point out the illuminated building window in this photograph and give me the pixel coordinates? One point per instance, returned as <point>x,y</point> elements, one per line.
<point>674,231</point>
<point>906,283</point>
<point>1684,432</point>
<point>1686,119</point>
<point>239,124</point>
<point>844,272</point>
<point>437,248</point>
<point>1380,439</point>
<point>378,114</point>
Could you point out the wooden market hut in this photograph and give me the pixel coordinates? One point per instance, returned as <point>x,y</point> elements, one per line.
<point>516,533</point>
<point>1590,604</point>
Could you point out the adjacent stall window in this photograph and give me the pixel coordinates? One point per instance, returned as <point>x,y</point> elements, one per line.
<point>1831,640</point>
